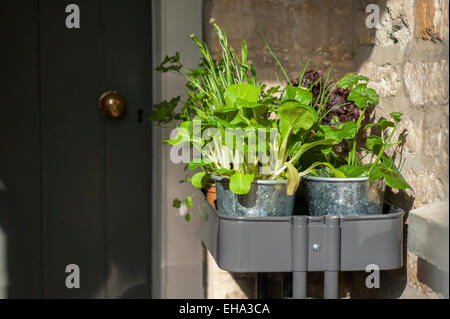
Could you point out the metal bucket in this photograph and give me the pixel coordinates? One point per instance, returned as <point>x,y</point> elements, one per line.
<point>344,196</point>
<point>265,198</point>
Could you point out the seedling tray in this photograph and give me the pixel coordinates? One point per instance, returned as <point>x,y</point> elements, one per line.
<point>300,244</point>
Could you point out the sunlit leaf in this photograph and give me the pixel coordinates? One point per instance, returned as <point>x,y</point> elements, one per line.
<point>200,179</point>
<point>298,94</point>
<point>245,92</point>
<point>241,183</point>
<point>292,179</point>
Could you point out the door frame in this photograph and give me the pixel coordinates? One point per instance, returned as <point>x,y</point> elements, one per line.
<point>176,268</point>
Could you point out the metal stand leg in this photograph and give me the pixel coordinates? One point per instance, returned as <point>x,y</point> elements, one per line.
<point>261,279</point>
<point>331,285</point>
<point>286,287</point>
<point>299,280</point>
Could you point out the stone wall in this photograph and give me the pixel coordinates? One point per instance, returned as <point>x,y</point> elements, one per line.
<point>406,57</point>
<point>408,66</point>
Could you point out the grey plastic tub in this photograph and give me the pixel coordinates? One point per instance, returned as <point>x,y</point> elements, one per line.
<point>283,244</point>
<point>300,244</point>
<point>344,196</point>
<point>265,198</point>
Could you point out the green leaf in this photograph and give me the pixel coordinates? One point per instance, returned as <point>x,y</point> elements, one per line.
<point>339,132</point>
<point>298,94</point>
<point>227,109</point>
<point>294,117</point>
<point>196,163</point>
<point>307,146</point>
<point>363,96</point>
<point>245,92</point>
<point>224,171</point>
<point>353,170</point>
<point>351,79</point>
<point>396,116</point>
<point>240,103</point>
<point>293,179</point>
<point>184,134</point>
<point>200,179</point>
<point>187,217</point>
<point>241,183</point>
<point>382,124</point>
<point>334,171</point>
<point>393,177</point>
<point>176,203</point>
<point>188,201</point>
<point>164,112</point>
<point>374,143</point>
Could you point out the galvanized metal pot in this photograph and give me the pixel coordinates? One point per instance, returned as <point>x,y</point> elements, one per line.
<point>344,196</point>
<point>265,198</point>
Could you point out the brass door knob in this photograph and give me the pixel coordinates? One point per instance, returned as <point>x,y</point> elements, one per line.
<point>112,104</point>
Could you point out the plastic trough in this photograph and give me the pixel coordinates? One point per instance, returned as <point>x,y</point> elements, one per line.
<point>300,244</point>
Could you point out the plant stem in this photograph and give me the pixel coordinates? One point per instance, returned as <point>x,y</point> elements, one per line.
<point>358,124</point>
<point>382,148</point>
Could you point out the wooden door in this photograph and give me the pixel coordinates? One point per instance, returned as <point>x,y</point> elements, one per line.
<point>76,183</point>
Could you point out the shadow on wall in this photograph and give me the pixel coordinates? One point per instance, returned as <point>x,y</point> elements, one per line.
<point>331,33</point>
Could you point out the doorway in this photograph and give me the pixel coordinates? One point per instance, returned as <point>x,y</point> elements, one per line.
<point>76,191</point>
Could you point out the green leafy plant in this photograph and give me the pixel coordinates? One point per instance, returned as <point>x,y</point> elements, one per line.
<point>246,112</point>
<point>271,132</point>
<point>376,146</point>
<point>221,95</point>
<point>327,97</point>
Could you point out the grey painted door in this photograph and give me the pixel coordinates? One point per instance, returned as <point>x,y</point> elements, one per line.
<point>76,184</point>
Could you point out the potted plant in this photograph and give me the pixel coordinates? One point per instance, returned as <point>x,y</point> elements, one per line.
<point>247,140</point>
<point>359,176</point>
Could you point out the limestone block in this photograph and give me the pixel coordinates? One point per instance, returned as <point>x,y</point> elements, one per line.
<point>396,25</point>
<point>222,284</point>
<point>427,82</point>
<point>432,19</point>
<point>385,79</point>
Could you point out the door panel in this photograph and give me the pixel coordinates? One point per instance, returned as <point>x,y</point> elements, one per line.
<point>78,183</point>
<point>20,213</point>
<point>127,68</point>
<point>73,151</point>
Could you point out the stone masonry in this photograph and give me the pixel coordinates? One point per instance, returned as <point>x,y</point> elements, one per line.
<point>406,57</point>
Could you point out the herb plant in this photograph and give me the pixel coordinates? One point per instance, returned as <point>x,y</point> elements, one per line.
<point>382,167</point>
<point>341,107</point>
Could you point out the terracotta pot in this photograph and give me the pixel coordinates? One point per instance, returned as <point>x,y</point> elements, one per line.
<point>210,190</point>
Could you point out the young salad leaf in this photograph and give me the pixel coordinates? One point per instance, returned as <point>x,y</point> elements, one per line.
<point>246,92</point>
<point>200,179</point>
<point>196,163</point>
<point>351,79</point>
<point>363,96</point>
<point>374,144</point>
<point>382,124</point>
<point>294,117</point>
<point>392,176</point>
<point>342,131</point>
<point>298,94</point>
<point>353,170</point>
<point>240,183</point>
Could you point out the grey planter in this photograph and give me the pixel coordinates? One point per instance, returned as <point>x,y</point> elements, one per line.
<point>265,198</point>
<point>344,196</point>
<point>302,244</point>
